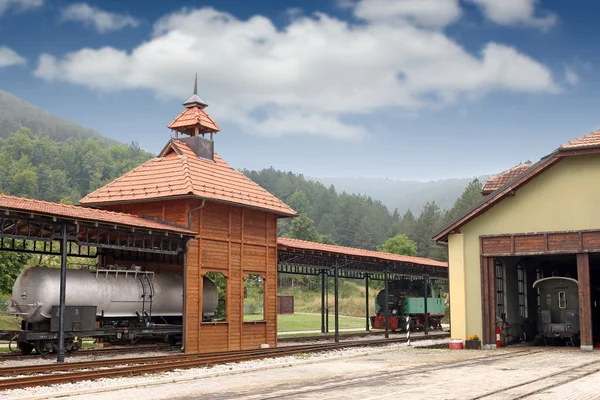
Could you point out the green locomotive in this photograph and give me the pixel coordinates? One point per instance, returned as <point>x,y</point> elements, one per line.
<point>406,298</point>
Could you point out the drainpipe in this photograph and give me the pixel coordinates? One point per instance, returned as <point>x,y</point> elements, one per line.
<point>185,273</point>
<point>192,210</point>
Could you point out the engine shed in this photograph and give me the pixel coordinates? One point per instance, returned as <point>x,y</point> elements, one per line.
<point>525,259</point>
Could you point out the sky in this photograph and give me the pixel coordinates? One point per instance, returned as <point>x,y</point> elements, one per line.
<point>399,89</point>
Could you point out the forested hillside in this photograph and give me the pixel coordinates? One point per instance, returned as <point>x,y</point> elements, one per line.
<point>16,113</point>
<point>401,194</point>
<point>358,221</point>
<point>36,166</point>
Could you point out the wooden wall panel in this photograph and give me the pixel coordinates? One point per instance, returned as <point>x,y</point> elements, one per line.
<point>235,215</point>
<point>529,243</point>
<point>255,259</point>
<point>212,335</point>
<point>591,241</point>
<point>215,255</point>
<point>254,335</point>
<point>563,241</point>
<point>524,244</point>
<point>496,245</point>
<point>235,241</point>
<point>216,221</point>
<point>255,226</point>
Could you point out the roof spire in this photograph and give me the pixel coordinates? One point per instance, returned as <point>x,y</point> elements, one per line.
<point>195,100</point>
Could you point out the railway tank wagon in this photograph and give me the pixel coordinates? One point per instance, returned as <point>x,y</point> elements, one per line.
<point>406,298</point>
<point>112,303</point>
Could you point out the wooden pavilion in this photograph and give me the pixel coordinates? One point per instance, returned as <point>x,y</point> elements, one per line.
<point>234,218</point>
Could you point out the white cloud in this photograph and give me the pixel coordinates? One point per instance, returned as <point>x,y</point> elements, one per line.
<point>515,12</point>
<point>315,75</point>
<point>19,5</point>
<point>571,76</point>
<point>103,21</point>
<point>432,13</point>
<point>9,57</point>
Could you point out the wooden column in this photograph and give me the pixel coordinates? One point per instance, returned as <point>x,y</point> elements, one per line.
<point>585,303</point>
<point>488,300</point>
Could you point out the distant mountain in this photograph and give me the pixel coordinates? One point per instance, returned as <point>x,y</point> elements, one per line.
<point>403,195</point>
<point>16,113</point>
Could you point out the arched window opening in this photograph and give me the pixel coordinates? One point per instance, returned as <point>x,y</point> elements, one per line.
<point>214,307</point>
<point>254,298</point>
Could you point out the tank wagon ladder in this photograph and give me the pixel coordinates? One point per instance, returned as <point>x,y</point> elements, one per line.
<point>147,293</point>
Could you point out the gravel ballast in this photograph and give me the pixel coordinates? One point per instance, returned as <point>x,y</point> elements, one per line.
<point>111,384</point>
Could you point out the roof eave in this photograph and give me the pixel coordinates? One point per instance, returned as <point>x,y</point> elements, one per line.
<point>280,214</point>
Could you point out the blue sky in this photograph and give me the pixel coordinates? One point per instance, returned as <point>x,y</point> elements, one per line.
<point>401,89</point>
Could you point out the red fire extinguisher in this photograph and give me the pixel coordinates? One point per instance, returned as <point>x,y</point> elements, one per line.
<point>498,336</point>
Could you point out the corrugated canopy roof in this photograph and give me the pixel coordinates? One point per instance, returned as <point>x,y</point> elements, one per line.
<point>296,244</point>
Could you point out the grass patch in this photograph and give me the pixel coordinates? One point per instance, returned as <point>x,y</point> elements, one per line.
<point>9,322</point>
<point>305,322</point>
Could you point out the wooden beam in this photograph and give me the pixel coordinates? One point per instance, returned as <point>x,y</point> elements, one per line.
<point>585,303</point>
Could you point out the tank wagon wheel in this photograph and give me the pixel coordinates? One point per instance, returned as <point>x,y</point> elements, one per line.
<point>26,348</point>
<point>43,347</point>
<point>74,346</point>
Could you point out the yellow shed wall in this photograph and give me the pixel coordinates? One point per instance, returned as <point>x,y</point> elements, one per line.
<point>563,198</point>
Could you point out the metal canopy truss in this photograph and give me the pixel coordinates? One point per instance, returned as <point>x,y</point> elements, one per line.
<point>291,262</point>
<point>35,234</point>
<point>62,235</point>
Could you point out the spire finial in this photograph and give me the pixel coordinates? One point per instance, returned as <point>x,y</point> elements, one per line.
<point>194,100</point>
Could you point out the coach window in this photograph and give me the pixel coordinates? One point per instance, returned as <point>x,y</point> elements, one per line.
<point>220,313</point>
<point>254,298</point>
<point>562,299</point>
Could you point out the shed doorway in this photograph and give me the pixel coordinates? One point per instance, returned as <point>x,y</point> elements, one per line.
<point>537,300</point>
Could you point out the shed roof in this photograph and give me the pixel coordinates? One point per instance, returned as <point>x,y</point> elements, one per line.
<point>497,181</point>
<point>86,214</point>
<point>180,172</point>
<point>587,141</point>
<point>587,144</point>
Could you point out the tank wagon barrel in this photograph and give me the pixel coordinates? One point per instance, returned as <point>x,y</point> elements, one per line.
<point>112,303</point>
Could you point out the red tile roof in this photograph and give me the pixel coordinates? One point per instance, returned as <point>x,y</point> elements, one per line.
<point>84,214</point>
<point>283,243</point>
<point>180,172</point>
<point>190,117</point>
<point>497,181</point>
<point>589,140</point>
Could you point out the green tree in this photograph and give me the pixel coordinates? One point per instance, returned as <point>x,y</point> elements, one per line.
<point>428,222</point>
<point>470,197</point>
<point>399,244</point>
<point>12,264</point>
<point>300,203</point>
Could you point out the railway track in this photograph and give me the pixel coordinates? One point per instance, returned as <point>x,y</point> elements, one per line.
<point>90,351</point>
<point>41,375</point>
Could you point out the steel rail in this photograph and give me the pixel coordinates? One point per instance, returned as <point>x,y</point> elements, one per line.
<point>80,371</point>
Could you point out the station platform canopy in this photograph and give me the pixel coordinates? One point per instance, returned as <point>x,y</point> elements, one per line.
<point>31,226</point>
<point>310,258</point>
